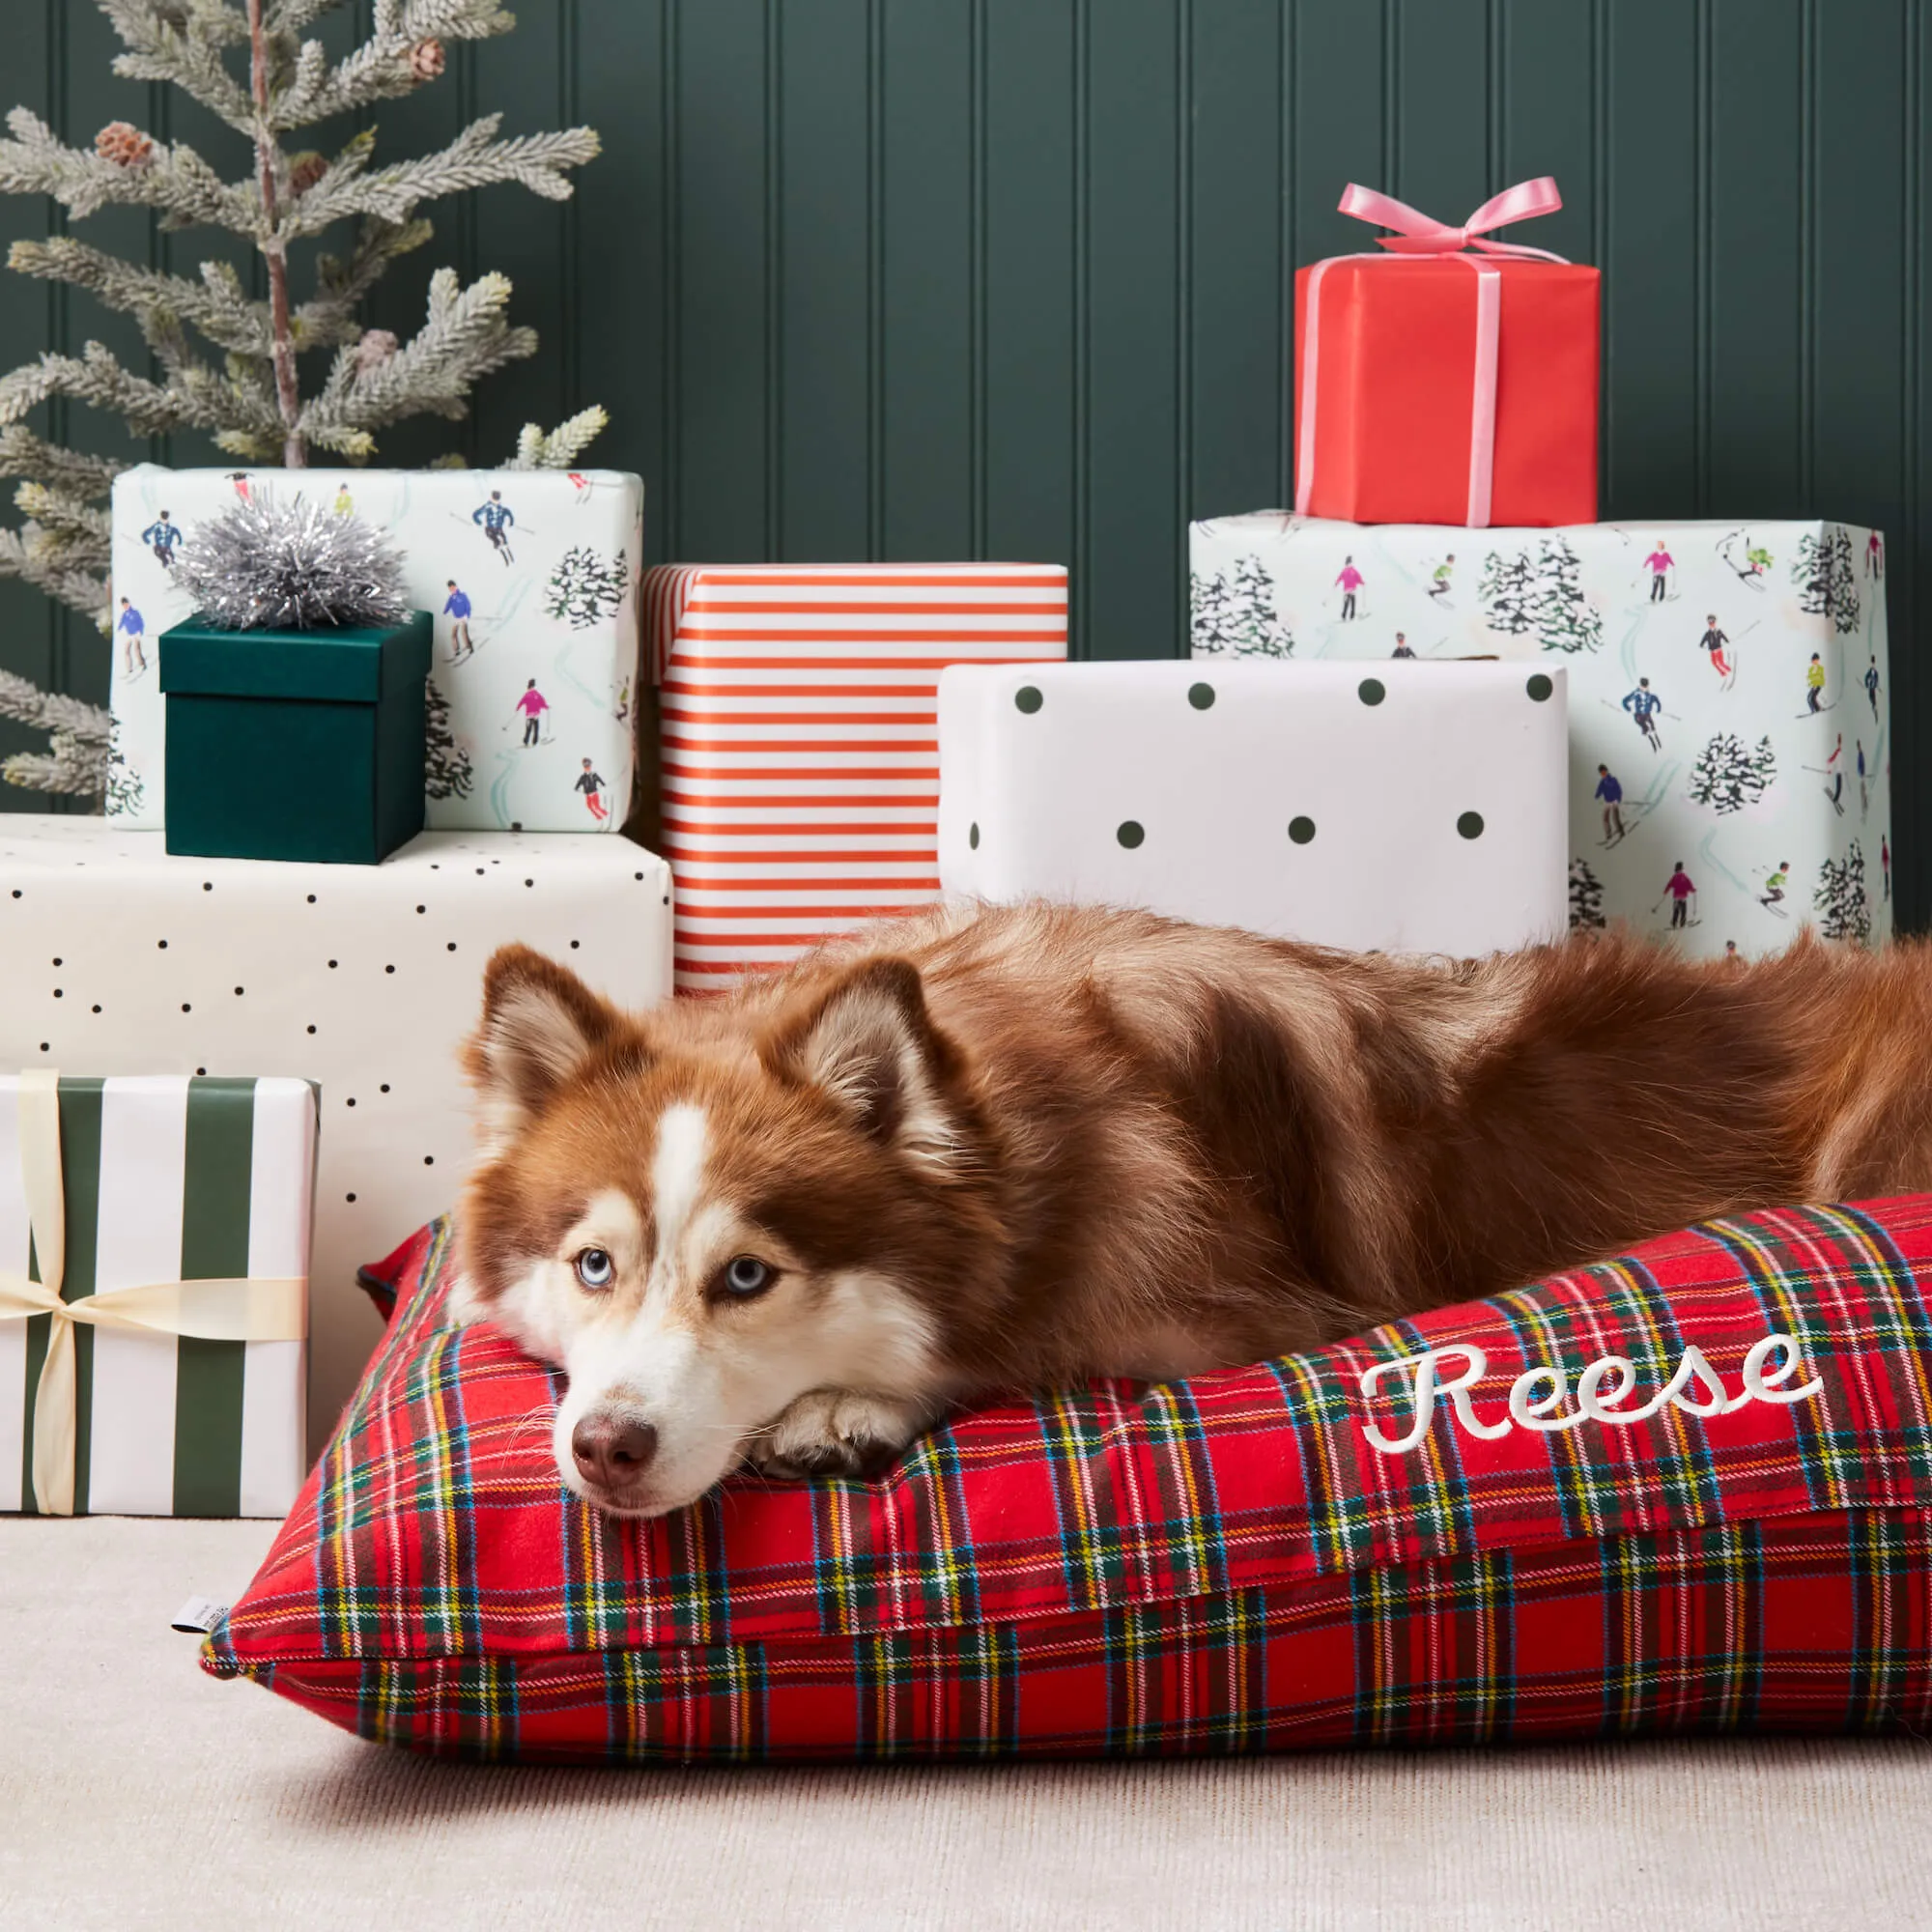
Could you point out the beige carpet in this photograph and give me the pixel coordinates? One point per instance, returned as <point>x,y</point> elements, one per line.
<point>136,1791</point>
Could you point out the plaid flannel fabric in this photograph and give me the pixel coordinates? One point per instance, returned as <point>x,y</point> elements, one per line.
<point>1608,1503</point>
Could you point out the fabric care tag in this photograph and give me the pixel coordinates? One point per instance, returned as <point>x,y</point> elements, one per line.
<point>198,1616</point>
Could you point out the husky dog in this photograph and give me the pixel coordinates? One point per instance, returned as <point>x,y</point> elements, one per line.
<point>988,1150</point>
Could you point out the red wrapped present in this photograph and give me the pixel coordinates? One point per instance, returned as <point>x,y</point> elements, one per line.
<point>1452,379</point>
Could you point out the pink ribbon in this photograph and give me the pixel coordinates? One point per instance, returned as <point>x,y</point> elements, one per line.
<point>1419,234</point>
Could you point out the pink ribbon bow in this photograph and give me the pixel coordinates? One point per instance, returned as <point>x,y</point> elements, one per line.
<point>1420,233</point>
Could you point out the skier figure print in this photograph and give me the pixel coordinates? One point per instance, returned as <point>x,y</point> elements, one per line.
<point>1731,954</point>
<point>456,607</point>
<point>1814,684</point>
<point>1774,887</point>
<point>497,519</point>
<point>345,503</point>
<point>592,789</point>
<point>1402,647</point>
<point>238,478</point>
<point>1660,563</point>
<point>1714,640</point>
<point>1864,794</point>
<point>1610,793</point>
<point>1875,556</point>
<point>1679,890</point>
<point>1885,862</point>
<point>1352,580</point>
<point>1643,704</point>
<point>1439,586</point>
<point>532,706</point>
<point>1870,681</point>
<point>133,658</point>
<point>1756,558</point>
<point>162,536</point>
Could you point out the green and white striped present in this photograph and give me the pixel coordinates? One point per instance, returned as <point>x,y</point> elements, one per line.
<point>181,1213</point>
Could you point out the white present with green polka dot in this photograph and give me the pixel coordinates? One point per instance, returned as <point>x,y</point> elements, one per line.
<point>1415,808</point>
<point>1730,755</point>
<point>119,960</point>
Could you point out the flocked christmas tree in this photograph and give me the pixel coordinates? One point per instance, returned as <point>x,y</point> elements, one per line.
<point>1586,897</point>
<point>1235,614</point>
<point>250,65</point>
<point>1727,777</point>
<point>1844,912</point>
<point>1826,577</point>
<point>586,589</point>
<point>1507,589</point>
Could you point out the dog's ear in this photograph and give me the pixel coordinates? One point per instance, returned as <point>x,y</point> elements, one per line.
<point>540,1024</point>
<point>871,1046</point>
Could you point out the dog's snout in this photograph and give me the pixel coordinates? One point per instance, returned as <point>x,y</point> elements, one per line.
<point>611,1451</point>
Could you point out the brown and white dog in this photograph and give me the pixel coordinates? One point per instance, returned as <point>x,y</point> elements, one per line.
<point>1008,1148</point>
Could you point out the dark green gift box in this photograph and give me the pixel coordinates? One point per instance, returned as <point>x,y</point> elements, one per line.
<point>294,744</point>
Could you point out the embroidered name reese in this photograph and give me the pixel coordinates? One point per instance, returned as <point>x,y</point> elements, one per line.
<point>1528,1408</point>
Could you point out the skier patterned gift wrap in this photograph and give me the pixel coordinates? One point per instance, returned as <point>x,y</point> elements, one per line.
<point>119,960</point>
<point>1730,740</point>
<point>1417,810</point>
<point>799,762</point>
<point>154,1403</point>
<point>530,577</point>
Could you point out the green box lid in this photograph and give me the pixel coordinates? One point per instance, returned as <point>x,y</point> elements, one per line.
<point>351,666</point>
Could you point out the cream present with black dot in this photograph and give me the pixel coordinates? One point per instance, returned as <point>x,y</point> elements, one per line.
<point>1418,808</point>
<point>119,959</point>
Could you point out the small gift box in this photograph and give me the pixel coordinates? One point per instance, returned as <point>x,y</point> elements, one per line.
<point>1450,379</point>
<point>153,1293</point>
<point>295,743</point>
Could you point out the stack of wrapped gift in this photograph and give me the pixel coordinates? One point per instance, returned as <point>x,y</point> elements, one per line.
<point>799,762</point>
<point>530,579</point>
<point>1729,730</point>
<point>121,959</point>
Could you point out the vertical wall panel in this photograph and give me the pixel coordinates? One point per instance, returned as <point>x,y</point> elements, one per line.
<point>825,137</point>
<point>1014,278</point>
<point>1030,403</point>
<point>928,286</point>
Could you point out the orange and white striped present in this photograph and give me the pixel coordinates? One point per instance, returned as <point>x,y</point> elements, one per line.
<point>799,744</point>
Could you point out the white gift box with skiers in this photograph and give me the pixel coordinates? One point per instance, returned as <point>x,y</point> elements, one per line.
<point>1730,742</point>
<point>532,577</point>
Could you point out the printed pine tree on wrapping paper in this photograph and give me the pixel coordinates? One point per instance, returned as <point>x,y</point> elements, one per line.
<point>1586,897</point>
<point>1727,777</point>
<point>1542,593</point>
<point>1234,612</point>
<point>1843,909</point>
<point>1827,577</point>
<point>447,772</point>
<point>586,589</point>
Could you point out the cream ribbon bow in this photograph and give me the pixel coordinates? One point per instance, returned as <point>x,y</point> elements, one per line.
<point>221,1309</point>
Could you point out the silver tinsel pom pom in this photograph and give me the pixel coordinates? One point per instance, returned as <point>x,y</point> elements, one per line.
<point>265,565</point>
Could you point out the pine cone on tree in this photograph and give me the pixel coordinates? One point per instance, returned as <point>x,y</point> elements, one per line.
<point>375,349</point>
<point>126,146</point>
<point>306,171</point>
<point>426,60</point>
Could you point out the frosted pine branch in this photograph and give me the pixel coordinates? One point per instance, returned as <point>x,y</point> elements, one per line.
<point>286,18</point>
<point>194,397</point>
<point>60,571</point>
<point>329,318</point>
<point>465,337</point>
<point>77,774</point>
<point>23,453</point>
<point>26,703</point>
<point>66,517</point>
<point>184,44</point>
<point>563,444</point>
<point>475,160</point>
<point>176,180</point>
<point>215,304</point>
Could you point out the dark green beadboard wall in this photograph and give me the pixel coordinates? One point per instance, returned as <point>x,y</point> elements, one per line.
<point>1012,278</point>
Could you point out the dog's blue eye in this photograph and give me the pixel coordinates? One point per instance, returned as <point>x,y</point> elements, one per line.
<point>595,1268</point>
<point>746,1274</point>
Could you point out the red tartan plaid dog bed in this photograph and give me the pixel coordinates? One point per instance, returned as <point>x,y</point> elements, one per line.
<point>1614,1502</point>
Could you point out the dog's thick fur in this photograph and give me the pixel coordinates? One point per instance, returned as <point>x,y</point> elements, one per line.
<point>1001,1149</point>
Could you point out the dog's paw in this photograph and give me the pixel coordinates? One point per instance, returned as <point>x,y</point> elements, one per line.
<point>830,1433</point>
